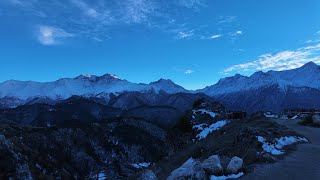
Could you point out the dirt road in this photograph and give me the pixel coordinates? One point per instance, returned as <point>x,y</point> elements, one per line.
<point>303,164</point>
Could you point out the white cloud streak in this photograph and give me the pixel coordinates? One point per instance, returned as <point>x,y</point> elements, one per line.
<point>185,35</point>
<point>188,71</point>
<point>226,19</point>
<point>87,10</point>
<point>48,35</point>
<point>216,36</point>
<point>284,60</point>
<point>191,3</point>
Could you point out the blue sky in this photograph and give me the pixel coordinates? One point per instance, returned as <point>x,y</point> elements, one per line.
<point>192,42</point>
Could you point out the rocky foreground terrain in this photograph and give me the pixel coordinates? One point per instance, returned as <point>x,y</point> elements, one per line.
<point>200,143</point>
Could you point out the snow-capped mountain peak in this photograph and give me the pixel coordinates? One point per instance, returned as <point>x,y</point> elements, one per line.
<point>306,76</point>
<point>83,85</point>
<point>110,76</point>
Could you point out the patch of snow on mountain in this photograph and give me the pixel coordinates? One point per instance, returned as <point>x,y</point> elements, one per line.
<point>268,147</point>
<point>276,148</point>
<point>213,127</point>
<point>102,176</point>
<point>199,127</point>
<point>204,111</point>
<point>114,76</point>
<point>284,141</point>
<point>270,115</point>
<point>141,165</point>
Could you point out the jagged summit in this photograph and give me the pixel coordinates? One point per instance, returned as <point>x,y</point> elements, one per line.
<point>306,76</point>
<point>167,85</point>
<point>82,85</point>
<point>94,77</point>
<point>161,80</point>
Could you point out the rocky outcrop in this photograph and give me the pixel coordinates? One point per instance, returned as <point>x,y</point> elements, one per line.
<point>190,169</point>
<point>148,175</point>
<point>235,165</point>
<point>14,165</point>
<point>193,169</point>
<point>212,165</point>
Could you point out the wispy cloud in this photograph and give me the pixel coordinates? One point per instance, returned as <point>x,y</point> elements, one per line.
<point>139,11</point>
<point>185,35</point>
<point>215,36</point>
<point>211,37</point>
<point>87,10</point>
<point>191,3</point>
<point>48,35</point>
<point>312,41</point>
<point>28,6</point>
<point>316,38</point>
<point>284,60</point>
<point>226,19</point>
<point>99,19</point>
<point>236,34</point>
<point>188,71</point>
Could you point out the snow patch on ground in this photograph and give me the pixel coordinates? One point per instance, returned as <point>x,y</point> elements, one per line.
<point>294,117</point>
<point>268,147</point>
<point>199,127</point>
<point>231,176</point>
<point>284,141</point>
<point>141,165</point>
<point>204,111</point>
<point>102,176</point>
<point>269,115</point>
<point>275,148</point>
<point>213,127</point>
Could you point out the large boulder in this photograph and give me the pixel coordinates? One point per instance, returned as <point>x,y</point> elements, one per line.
<point>23,172</point>
<point>190,169</point>
<point>200,175</point>
<point>148,175</point>
<point>212,165</point>
<point>234,165</point>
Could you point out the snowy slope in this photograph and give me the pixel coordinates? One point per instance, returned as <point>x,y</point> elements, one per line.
<point>84,85</point>
<point>305,76</point>
<point>271,91</point>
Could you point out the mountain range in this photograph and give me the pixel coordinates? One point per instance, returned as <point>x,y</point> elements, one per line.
<point>270,91</point>
<point>262,91</point>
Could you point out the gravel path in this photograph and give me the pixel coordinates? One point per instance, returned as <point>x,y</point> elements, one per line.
<point>299,165</point>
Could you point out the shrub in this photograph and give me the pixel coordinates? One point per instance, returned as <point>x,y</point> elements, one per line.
<point>198,102</point>
<point>307,120</point>
<point>184,124</point>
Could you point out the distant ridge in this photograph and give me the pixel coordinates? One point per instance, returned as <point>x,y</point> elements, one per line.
<point>262,91</point>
